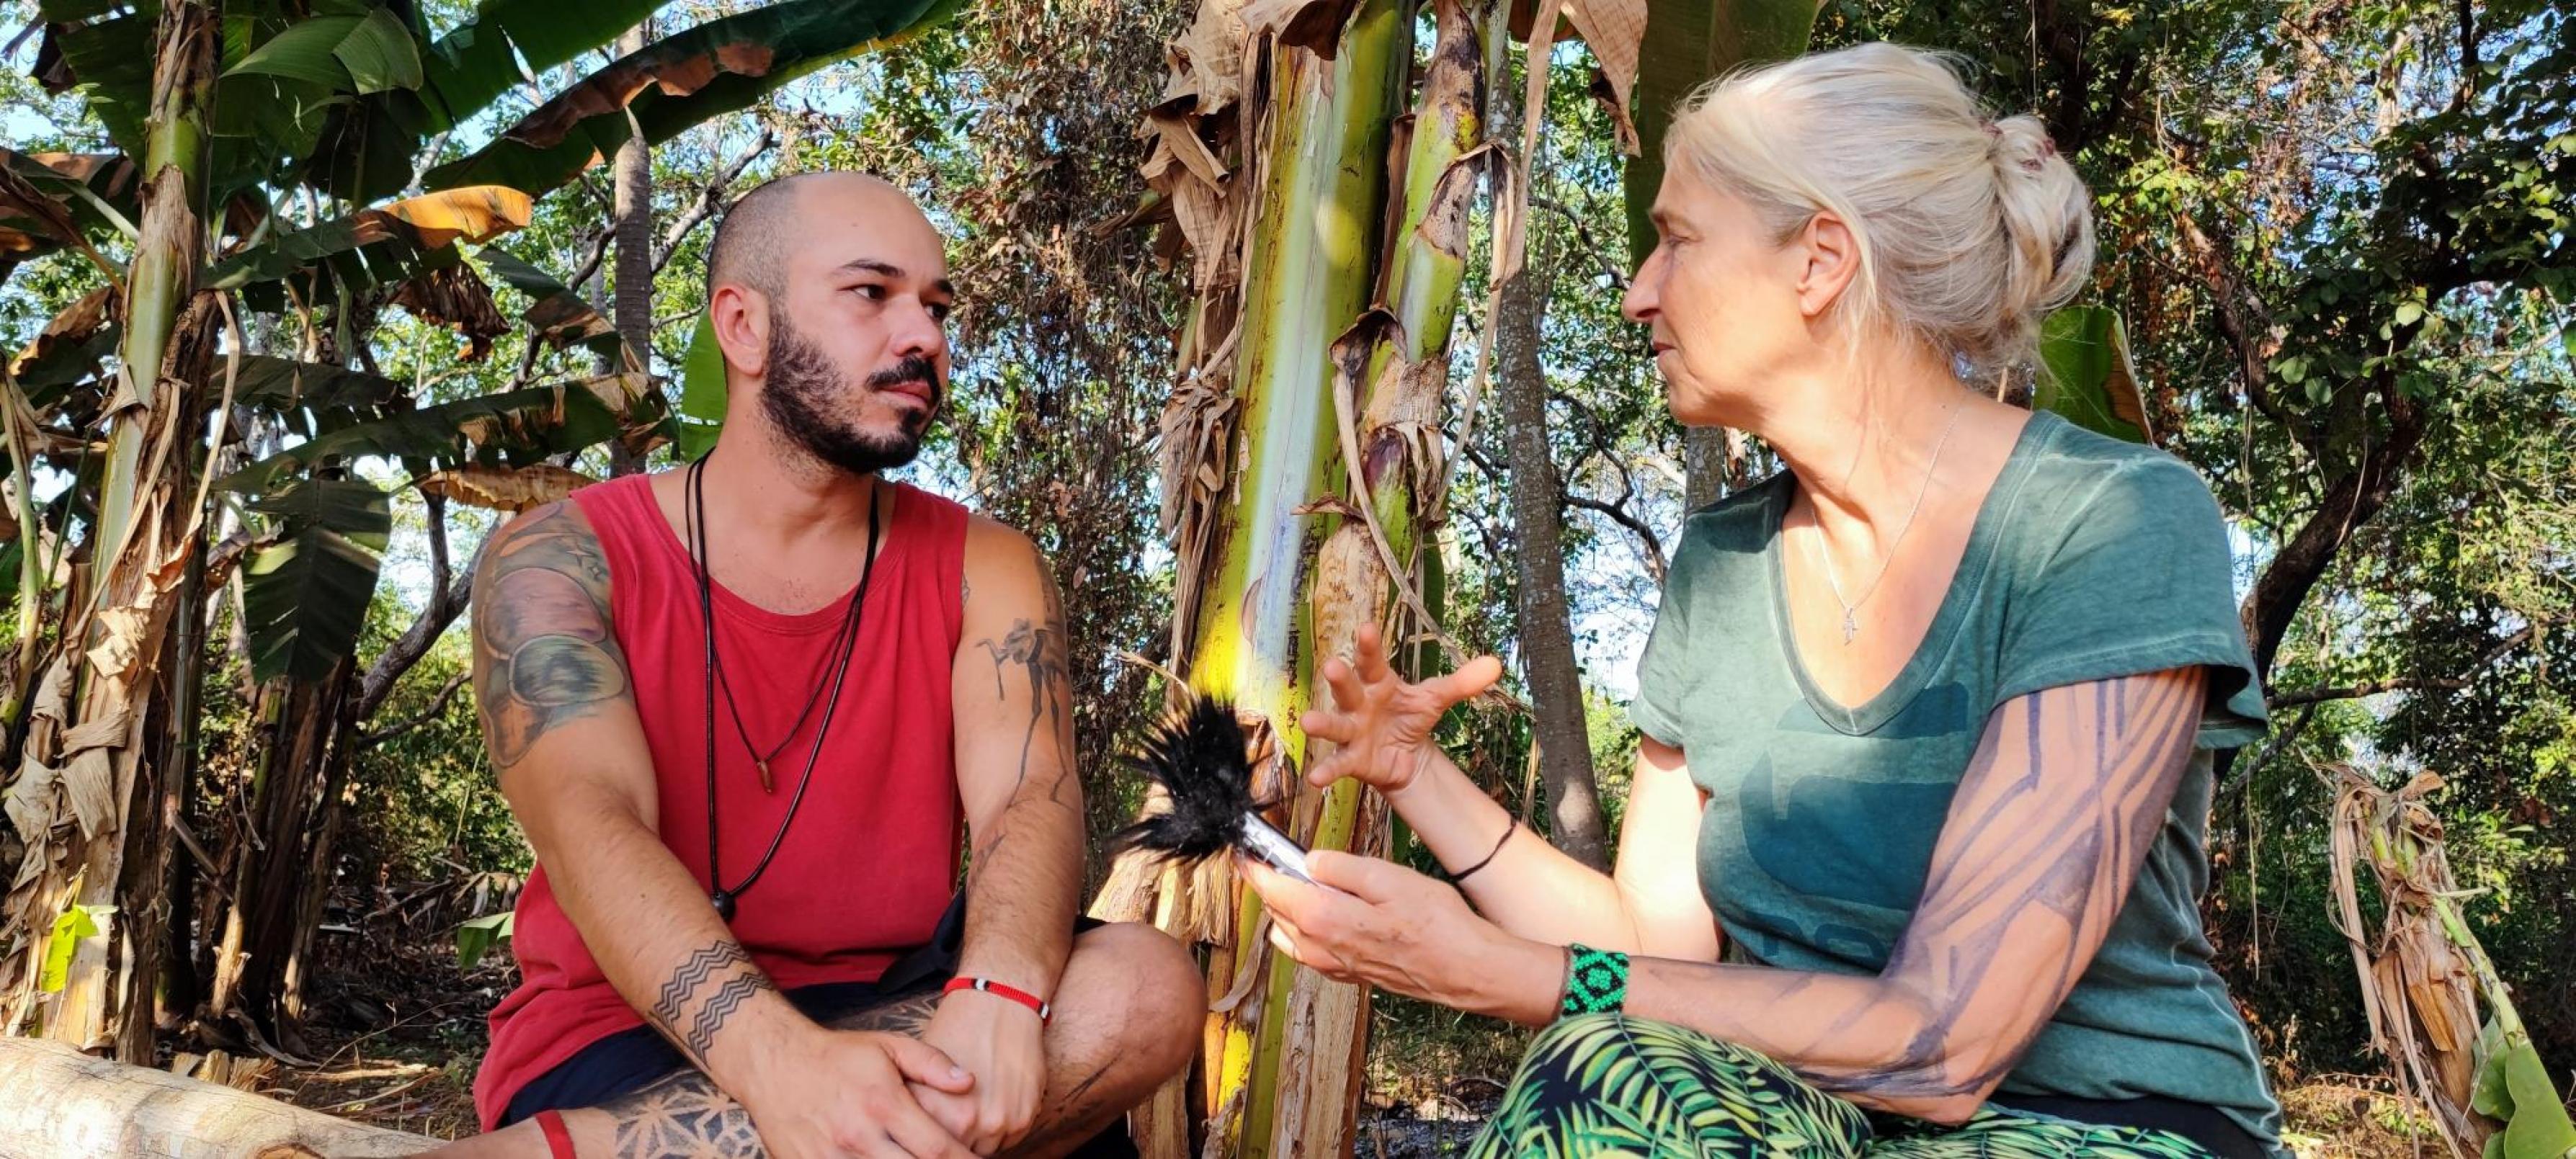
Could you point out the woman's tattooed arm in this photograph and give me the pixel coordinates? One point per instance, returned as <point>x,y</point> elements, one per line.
<point>2048,831</point>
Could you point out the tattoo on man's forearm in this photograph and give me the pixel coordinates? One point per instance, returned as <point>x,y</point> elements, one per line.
<point>741,978</point>
<point>687,1115</point>
<point>683,985</point>
<point>544,649</point>
<point>728,998</point>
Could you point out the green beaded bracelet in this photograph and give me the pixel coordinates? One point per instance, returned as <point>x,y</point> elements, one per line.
<point>1596,981</point>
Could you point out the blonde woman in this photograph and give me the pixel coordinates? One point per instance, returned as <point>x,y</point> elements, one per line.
<point>1912,859</point>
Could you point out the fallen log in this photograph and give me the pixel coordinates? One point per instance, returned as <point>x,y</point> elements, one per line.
<point>57,1103</point>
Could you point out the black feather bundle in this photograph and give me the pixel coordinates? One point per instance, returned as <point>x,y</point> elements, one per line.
<point>1199,757</point>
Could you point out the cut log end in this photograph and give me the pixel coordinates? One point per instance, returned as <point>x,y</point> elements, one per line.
<point>64,1103</point>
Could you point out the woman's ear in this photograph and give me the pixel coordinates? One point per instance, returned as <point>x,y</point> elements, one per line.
<point>1832,259</point>
<point>741,318</point>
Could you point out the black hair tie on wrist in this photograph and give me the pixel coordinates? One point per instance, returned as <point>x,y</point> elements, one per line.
<point>1461,877</point>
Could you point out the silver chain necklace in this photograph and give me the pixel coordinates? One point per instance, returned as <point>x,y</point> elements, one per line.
<point>1851,608</point>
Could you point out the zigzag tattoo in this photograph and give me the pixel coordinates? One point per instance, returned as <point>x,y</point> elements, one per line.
<point>711,1017</point>
<point>692,974</point>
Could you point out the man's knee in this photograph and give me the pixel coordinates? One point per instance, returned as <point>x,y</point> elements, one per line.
<point>1155,987</point>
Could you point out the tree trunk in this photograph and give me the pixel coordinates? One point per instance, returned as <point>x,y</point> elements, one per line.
<point>634,230</point>
<point>291,814</point>
<point>1704,466</point>
<point>1546,630</point>
<point>64,1104</point>
<point>2350,501</point>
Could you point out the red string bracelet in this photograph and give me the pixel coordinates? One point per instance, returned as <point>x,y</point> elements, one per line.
<point>1046,1013</point>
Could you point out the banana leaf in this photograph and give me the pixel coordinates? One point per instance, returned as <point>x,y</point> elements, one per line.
<point>287,386</point>
<point>305,597</point>
<point>513,428</point>
<point>365,54</point>
<point>560,316</point>
<point>2091,380</point>
<point>372,247</point>
<point>668,86</point>
<point>702,391</point>
<point>109,60</point>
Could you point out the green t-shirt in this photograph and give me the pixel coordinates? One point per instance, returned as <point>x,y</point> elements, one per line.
<point>2090,559</point>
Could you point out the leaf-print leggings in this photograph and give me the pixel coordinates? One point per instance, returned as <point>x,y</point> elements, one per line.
<point>1610,1084</point>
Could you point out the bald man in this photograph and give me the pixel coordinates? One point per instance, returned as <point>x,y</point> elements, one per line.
<point>746,710</point>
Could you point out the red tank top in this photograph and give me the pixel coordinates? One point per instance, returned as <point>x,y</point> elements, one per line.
<point>871,859</point>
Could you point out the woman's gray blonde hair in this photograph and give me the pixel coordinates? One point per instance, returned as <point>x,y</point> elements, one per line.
<point>1969,229</point>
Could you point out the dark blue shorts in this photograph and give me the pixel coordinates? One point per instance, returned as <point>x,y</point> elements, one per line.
<point>630,1060</point>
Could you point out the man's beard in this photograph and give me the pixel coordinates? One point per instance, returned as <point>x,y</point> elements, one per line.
<point>804,396</point>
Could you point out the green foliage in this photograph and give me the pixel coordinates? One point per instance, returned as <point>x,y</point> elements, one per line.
<point>1687,43</point>
<point>2089,377</point>
<point>361,54</point>
<point>474,936</point>
<point>702,390</point>
<point>306,596</point>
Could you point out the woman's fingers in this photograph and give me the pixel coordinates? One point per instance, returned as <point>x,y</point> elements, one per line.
<point>1370,651</point>
<point>1348,693</point>
<point>1337,727</point>
<point>1468,682</point>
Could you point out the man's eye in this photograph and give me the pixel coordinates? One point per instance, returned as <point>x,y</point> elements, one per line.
<point>871,293</point>
<point>939,311</point>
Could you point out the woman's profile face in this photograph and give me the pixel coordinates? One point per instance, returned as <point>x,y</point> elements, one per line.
<point>1720,295</point>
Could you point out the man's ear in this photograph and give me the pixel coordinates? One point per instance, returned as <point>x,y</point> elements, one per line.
<point>742,327</point>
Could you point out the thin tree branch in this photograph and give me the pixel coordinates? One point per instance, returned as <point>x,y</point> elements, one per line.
<point>2243,320</point>
<point>2307,696</point>
<point>1583,235</point>
<point>2468,54</point>
<point>437,708</point>
<point>2242,772</point>
<point>1619,514</point>
<point>710,199</point>
<point>446,600</point>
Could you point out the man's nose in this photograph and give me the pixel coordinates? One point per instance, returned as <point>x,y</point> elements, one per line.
<point>918,332</point>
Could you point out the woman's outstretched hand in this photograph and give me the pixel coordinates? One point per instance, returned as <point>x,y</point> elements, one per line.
<point>1382,723</point>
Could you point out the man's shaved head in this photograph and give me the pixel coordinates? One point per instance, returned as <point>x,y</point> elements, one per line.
<point>829,295</point>
<point>753,237</point>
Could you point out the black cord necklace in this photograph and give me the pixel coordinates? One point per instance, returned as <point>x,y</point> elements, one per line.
<point>844,643</point>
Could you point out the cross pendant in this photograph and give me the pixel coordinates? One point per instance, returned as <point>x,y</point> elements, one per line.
<point>1851,625</point>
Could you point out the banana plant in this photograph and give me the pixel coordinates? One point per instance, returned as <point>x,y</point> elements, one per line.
<point>224,113</point>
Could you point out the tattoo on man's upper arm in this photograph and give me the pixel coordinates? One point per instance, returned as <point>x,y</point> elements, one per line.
<point>544,650</point>
<point>1036,654</point>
